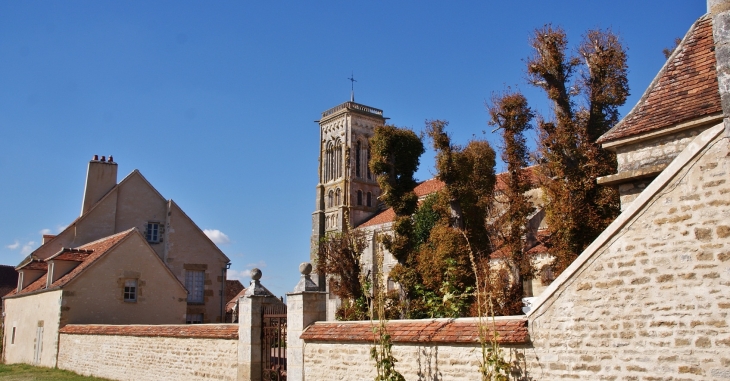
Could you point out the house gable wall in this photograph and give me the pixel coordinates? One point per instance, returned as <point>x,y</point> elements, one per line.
<point>189,247</point>
<point>96,296</point>
<point>24,315</point>
<point>651,299</point>
<point>139,203</point>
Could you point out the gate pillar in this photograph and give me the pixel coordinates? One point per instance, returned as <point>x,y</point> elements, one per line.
<point>249,329</point>
<point>305,306</point>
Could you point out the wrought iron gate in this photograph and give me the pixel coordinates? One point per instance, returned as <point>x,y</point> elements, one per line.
<point>273,343</point>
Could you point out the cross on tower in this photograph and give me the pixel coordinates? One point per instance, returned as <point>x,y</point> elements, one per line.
<point>352,87</point>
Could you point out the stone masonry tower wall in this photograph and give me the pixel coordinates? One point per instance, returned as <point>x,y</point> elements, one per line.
<point>347,192</point>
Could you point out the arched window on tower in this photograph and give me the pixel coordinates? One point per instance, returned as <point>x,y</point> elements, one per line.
<point>359,197</point>
<point>330,198</point>
<point>338,159</point>
<point>328,161</point>
<point>357,158</point>
<point>367,165</point>
<point>369,199</point>
<point>338,197</point>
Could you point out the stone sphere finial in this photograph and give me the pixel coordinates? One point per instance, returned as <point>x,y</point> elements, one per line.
<point>255,274</point>
<point>305,268</point>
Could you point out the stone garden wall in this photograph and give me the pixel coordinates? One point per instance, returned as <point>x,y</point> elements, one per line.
<point>137,352</point>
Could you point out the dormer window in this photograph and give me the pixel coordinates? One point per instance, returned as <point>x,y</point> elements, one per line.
<point>153,232</point>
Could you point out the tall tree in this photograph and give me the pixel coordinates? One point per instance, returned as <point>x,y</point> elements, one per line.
<point>395,155</point>
<point>577,209</point>
<point>468,173</point>
<point>339,257</point>
<point>511,114</point>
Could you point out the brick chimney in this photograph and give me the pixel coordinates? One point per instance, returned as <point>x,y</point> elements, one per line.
<point>720,11</point>
<point>101,177</point>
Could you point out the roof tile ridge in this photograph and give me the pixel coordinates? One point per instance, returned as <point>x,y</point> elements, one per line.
<point>605,138</point>
<point>103,239</point>
<point>61,282</point>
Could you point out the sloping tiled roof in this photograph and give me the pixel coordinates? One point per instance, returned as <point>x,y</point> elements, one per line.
<point>530,173</point>
<point>383,217</point>
<point>434,185</point>
<point>233,299</point>
<point>427,187</point>
<point>210,331</point>
<point>421,190</point>
<point>34,264</point>
<point>513,331</point>
<point>233,287</point>
<point>97,248</point>
<point>68,254</point>
<point>685,89</point>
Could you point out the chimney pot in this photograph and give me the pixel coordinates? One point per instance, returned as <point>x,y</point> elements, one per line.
<point>96,157</point>
<point>103,159</point>
<point>111,159</point>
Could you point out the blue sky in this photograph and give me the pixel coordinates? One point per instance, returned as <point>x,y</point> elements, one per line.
<point>214,102</point>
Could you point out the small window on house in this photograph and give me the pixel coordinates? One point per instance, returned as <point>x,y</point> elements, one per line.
<point>194,319</point>
<point>12,338</point>
<point>370,199</point>
<point>130,290</point>
<point>391,285</point>
<point>359,197</point>
<point>195,283</point>
<point>153,232</point>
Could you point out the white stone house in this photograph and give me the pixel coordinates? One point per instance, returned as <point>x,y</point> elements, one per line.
<point>118,279</point>
<point>109,207</point>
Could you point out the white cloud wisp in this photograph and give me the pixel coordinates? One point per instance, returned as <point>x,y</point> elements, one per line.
<point>217,236</point>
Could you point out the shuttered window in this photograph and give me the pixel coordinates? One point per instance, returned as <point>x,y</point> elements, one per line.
<point>195,283</point>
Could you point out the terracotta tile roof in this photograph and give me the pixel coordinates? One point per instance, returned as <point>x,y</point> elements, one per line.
<point>383,217</point>
<point>34,264</point>
<point>68,254</point>
<point>423,189</point>
<point>209,331</point>
<point>97,248</point>
<point>530,172</point>
<point>39,284</point>
<point>512,331</point>
<point>434,185</point>
<point>685,89</point>
<point>233,287</point>
<point>232,301</point>
<point>427,187</point>
<point>538,248</point>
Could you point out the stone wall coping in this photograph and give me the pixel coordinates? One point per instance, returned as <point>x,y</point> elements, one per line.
<point>510,330</point>
<point>688,154</point>
<point>203,331</point>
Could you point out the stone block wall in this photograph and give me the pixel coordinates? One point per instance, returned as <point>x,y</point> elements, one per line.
<point>649,299</point>
<point>136,353</point>
<point>429,349</point>
<point>352,362</point>
<point>660,150</point>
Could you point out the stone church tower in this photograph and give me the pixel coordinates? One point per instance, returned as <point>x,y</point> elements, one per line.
<point>347,192</point>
